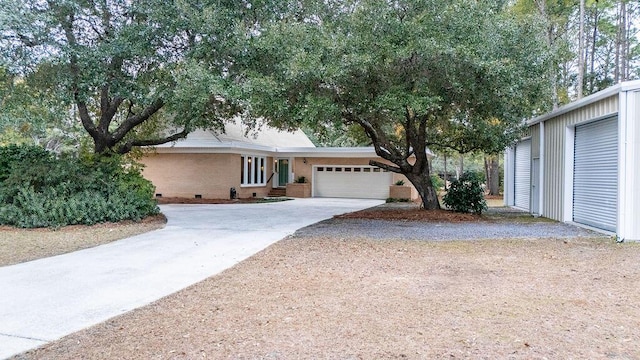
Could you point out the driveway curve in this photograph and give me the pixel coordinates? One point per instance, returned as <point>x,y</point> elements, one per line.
<point>46,299</point>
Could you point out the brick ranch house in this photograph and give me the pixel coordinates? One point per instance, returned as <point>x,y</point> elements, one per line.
<point>266,163</point>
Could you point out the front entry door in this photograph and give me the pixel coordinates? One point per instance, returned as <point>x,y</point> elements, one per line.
<point>535,191</point>
<point>283,172</point>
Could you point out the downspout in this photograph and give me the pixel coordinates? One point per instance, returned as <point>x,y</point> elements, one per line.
<point>541,172</point>
<point>624,206</point>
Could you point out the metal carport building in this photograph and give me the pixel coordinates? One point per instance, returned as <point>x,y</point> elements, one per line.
<point>581,163</point>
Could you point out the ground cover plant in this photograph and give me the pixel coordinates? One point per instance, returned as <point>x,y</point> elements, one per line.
<point>38,189</point>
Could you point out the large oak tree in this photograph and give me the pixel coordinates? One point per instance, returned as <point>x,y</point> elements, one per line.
<point>133,73</point>
<point>412,74</point>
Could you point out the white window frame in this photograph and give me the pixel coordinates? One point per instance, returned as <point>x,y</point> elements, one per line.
<point>256,175</point>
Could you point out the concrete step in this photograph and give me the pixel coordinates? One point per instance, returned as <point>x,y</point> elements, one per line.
<point>277,192</point>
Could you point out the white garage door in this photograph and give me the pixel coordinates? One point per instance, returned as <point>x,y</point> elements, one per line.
<point>523,174</point>
<point>595,177</point>
<point>357,182</point>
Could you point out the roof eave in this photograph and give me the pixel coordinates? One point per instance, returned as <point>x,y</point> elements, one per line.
<point>603,94</point>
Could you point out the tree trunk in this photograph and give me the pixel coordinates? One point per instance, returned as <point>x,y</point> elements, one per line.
<point>542,10</point>
<point>580,81</point>
<point>624,43</point>
<point>618,46</point>
<point>492,171</point>
<point>446,174</point>
<point>100,145</point>
<point>594,39</point>
<point>428,194</point>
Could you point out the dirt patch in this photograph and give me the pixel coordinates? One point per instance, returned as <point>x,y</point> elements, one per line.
<point>20,245</point>
<point>308,298</point>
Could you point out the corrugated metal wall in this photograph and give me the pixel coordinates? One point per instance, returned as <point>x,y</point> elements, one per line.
<point>554,149</point>
<point>534,132</point>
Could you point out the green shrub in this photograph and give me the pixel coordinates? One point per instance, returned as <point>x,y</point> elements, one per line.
<point>14,155</point>
<point>394,200</point>
<point>466,194</point>
<point>437,182</point>
<point>399,182</point>
<point>42,191</point>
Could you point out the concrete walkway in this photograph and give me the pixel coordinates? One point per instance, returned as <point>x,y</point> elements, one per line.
<point>46,299</point>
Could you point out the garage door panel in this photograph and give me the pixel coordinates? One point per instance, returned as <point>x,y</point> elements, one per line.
<point>364,182</point>
<point>523,174</point>
<point>595,185</point>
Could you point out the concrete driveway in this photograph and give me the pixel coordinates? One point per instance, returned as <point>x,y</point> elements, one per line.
<point>46,299</point>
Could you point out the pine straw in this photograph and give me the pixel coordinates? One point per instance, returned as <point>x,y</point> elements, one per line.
<point>310,298</point>
<point>20,245</point>
<point>411,214</point>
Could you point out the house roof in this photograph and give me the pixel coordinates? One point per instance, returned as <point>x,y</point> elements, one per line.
<point>266,140</point>
<point>238,134</point>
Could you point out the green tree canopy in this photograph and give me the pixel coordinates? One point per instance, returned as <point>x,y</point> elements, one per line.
<point>413,74</point>
<point>133,72</point>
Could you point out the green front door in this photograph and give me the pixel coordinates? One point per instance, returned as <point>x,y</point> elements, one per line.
<point>283,172</point>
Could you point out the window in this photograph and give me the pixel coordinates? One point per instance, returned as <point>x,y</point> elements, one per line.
<point>253,170</point>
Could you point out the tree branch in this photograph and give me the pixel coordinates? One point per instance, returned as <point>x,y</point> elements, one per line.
<point>455,148</point>
<point>66,22</point>
<point>108,108</point>
<point>135,120</point>
<point>384,166</point>
<point>127,146</point>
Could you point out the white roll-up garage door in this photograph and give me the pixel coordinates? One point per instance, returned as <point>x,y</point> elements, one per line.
<point>356,181</point>
<point>522,179</point>
<point>595,177</point>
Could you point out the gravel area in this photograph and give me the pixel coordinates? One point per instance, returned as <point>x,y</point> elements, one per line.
<point>496,223</point>
<point>410,230</point>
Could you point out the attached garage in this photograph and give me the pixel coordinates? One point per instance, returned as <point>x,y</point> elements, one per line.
<point>595,174</point>
<point>351,181</point>
<point>522,176</point>
<point>585,163</point>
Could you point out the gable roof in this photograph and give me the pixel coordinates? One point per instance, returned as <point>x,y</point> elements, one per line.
<point>265,140</point>
<point>238,134</point>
